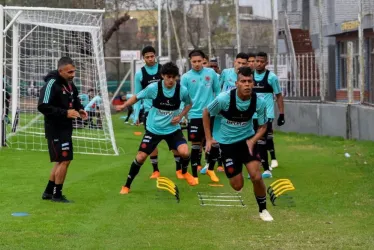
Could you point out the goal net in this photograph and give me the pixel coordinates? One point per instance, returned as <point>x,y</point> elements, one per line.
<point>33,40</point>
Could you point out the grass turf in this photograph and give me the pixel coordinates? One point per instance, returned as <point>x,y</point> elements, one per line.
<point>334,202</point>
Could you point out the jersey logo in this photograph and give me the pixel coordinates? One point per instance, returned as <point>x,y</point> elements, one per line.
<point>193,80</point>
<point>207,78</point>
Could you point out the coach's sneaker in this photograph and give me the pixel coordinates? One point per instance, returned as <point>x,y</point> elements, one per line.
<point>179,174</point>
<point>190,179</point>
<point>61,199</point>
<point>47,196</point>
<point>155,175</point>
<point>267,174</point>
<point>124,190</point>
<point>265,215</point>
<point>220,169</point>
<point>274,164</point>
<point>204,169</point>
<point>212,175</point>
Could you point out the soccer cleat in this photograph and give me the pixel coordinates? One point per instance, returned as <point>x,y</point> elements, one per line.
<point>212,175</point>
<point>124,190</point>
<point>274,164</point>
<point>204,169</point>
<point>190,179</point>
<point>267,174</point>
<point>265,215</point>
<point>179,174</point>
<point>196,180</point>
<point>199,168</point>
<point>47,196</point>
<point>220,169</point>
<point>155,175</point>
<point>61,199</point>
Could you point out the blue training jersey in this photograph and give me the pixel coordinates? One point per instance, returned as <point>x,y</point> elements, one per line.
<point>226,132</point>
<point>84,99</point>
<point>228,79</point>
<point>93,104</point>
<point>269,97</point>
<point>159,121</point>
<point>138,87</point>
<point>202,87</point>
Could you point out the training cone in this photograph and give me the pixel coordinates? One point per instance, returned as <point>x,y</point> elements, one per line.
<point>168,185</point>
<point>279,187</point>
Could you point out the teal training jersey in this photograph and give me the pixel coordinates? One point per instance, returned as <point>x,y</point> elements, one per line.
<point>138,87</point>
<point>226,132</point>
<point>159,121</point>
<point>228,79</point>
<point>84,99</point>
<point>202,87</point>
<point>93,104</point>
<point>269,97</point>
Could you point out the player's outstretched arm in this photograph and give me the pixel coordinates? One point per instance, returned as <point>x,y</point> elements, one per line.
<point>176,120</point>
<point>128,103</point>
<point>280,104</point>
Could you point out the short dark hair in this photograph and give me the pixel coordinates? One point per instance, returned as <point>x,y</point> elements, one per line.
<point>251,55</point>
<point>148,49</point>
<point>90,90</point>
<point>196,52</point>
<point>242,55</point>
<point>170,69</point>
<point>245,71</point>
<point>64,61</point>
<point>262,54</point>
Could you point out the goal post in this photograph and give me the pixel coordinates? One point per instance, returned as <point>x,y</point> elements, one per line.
<point>32,40</point>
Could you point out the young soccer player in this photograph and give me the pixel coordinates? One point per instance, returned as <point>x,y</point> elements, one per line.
<point>251,61</point>
<point>233,130</point>
<point>163,122</point>
<point>229,76</point>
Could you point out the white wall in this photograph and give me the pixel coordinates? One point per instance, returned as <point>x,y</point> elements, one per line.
<point>260,7</point>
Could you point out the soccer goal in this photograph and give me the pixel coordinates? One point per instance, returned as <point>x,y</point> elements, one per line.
<point>31,42</point>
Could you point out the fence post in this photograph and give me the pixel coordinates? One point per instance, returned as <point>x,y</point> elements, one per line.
<point>361,53</point>
<point>350,72</point>
<point>321,63</point>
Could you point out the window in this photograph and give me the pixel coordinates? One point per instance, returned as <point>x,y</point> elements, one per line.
<point>294,5</point>
<point>343,47</point>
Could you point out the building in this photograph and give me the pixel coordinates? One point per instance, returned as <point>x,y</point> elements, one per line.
<point>340,25</point>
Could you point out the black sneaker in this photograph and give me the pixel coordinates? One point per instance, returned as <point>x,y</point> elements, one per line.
<point>61,199</point>
<point>47,196</point>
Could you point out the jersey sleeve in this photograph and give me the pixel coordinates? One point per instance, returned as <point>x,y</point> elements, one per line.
<point>149,92</point>
<point>184,81</point>
<point>261,111</point>
<point>185,96</point>
<point>274,83</point>
<point>77,101</point>
<point>218,104</point>
<point>222,78</point>
<point>216,84</point>
<point>138,88</point>
<point>47,94</point>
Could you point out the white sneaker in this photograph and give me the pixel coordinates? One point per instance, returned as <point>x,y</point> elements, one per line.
<point>267,174</point>
<point>265,216</point>
<point>274,163</point>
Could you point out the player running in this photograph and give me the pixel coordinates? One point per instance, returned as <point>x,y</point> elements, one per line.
<point>202,85</point>
<point>163,122</point>
<point>230,76</point>
<point>233,130</point>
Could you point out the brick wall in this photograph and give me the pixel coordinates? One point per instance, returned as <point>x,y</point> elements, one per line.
<point>342,95</point>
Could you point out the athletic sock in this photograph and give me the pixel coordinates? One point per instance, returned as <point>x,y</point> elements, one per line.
<point>184,164</point>
<point>195,150</point>
<point>57,190</point>
<point>134,170</point>
<point>219,161</point>
<point>178,165</point>
<point>50,187</point>
<point>261,145</point>
<point>261,201</point>
<point>200,156</point>
<point>154,161</point>
<point>270,148</point>
<point>213,155</point>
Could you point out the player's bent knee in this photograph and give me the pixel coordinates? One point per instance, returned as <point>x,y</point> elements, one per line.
<point>141,157</point>
<point>237,186</point>
<point>64,164</point>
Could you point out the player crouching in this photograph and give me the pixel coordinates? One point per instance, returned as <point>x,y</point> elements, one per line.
<point>162,122</point>
<point>233,130</point>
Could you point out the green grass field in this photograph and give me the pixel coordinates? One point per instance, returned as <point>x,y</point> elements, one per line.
<point>334,200</point>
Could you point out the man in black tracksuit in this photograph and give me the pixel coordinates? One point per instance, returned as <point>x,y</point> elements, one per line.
<point>59,103</point>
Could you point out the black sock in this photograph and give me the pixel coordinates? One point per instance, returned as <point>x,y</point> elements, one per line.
<point>134,170</point>
<point>261,201</point>
<point>195,159</point>
<point>57,190</point>
<point>213,155</point>
<point>184,164</point>
<point>154,162</point>
<point>200,156</point>
<point>262,150</point>
<point>178,165</point>
<point>270,148</point>
<point>50,187</point>
<point>219,161</point>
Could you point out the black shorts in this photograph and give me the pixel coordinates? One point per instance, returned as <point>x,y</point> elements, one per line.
<point>235,155</point>
<point>150,141</point>
<point>196,131</point>
<point>269,128</point>
<point>60,149</point>
<point>145,120</point>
